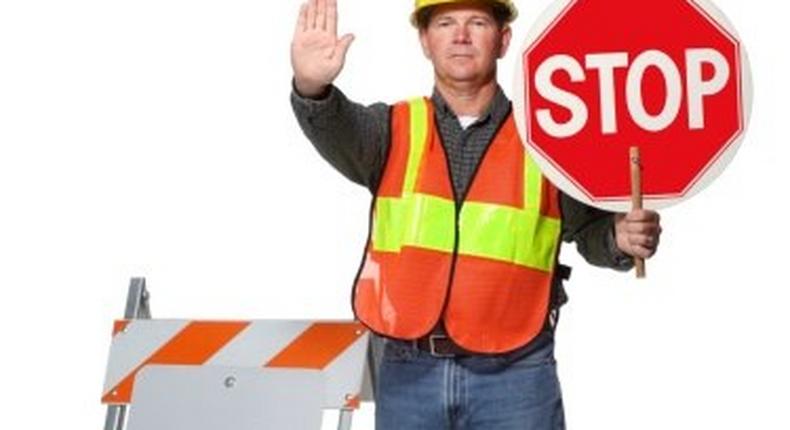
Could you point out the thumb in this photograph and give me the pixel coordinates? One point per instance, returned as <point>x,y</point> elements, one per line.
<point>342,47</point>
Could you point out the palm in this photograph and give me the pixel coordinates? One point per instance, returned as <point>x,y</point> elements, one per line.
<point>314,55</point>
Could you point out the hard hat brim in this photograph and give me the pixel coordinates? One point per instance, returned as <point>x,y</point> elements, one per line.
<point>513,12</point>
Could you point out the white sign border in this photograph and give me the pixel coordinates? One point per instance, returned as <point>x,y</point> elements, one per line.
<point>710,172</point>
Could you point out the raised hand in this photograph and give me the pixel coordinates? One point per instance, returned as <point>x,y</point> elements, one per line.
<point>317,55</point>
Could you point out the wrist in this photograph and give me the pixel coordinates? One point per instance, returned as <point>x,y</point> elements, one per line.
<point>621,259</point>
<point>310,90</point>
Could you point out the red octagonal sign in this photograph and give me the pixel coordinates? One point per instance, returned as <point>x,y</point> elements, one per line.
<point>596,77</point>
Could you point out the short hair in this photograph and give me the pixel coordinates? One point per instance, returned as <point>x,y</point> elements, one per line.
<point>500,12</point>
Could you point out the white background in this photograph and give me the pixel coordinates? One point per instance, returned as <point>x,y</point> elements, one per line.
<point>155,138</point>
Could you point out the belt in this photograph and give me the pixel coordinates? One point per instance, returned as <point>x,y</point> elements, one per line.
<point>440,345</point>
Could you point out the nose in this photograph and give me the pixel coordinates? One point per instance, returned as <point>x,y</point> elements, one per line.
<point>461,34</point>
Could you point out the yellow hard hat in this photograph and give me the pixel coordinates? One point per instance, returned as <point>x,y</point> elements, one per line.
<point>422,4</point>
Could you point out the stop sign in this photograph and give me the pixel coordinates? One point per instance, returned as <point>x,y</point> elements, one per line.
<point>596,77</point>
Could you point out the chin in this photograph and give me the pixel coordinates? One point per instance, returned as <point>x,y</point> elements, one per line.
<point>463,73</point>
<point>464,78</point>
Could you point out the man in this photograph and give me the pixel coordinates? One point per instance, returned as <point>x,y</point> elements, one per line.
<point>460,279</point>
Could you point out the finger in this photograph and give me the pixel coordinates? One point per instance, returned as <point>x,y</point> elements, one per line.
<point>643,240</point>
<point>311,13</point>
<point>301,21</point>
<point>638,246</point>
<point>642,215</point>
<point>342,47</point>
<point>331,17</point>
<point>320,16</point>
<point>643,228</point>
<point>640,251</point>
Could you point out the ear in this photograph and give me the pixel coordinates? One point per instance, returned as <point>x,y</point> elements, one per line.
<point>424,43</point>
<point>506,35</point>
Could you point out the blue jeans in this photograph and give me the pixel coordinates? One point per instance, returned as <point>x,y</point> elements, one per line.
<point>416,391</point>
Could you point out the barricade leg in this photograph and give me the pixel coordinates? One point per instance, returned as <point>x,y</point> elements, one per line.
<point>136,307</point>
<point>345,419</point>
<point>115,417</point>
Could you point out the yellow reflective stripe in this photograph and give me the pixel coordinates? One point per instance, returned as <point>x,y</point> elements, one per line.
<point>532,181</point>
<point>487,230</point>
<point>418,131</point>
<point>508,234</point>
<point>418,220</point>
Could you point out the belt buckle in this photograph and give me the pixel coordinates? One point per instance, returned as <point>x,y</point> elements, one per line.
<point>431,343</point>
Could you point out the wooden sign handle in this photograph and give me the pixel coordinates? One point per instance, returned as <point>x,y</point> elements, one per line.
<point>636,198</point>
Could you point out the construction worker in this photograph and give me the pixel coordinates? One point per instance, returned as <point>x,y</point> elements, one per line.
<point>460,281</point>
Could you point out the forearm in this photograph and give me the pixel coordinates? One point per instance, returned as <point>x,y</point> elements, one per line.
<point>593,231</point>
<point>353,138</point>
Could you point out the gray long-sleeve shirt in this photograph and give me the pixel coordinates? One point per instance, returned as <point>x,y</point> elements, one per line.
<point>354,139</point>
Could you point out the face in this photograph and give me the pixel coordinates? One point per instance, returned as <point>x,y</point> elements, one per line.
<point>463,41</point>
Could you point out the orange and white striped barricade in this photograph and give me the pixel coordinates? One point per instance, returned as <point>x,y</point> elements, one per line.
<point>176,374</point>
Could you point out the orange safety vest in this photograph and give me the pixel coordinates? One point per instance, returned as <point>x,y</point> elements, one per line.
<point>483,263</point>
